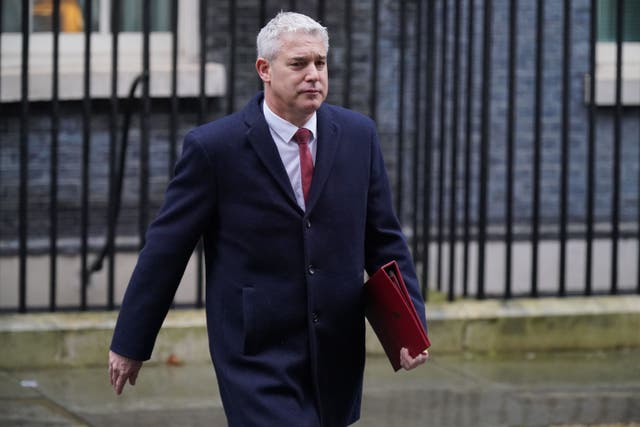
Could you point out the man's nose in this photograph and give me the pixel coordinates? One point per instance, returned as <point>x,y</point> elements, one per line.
<point>312,73</point>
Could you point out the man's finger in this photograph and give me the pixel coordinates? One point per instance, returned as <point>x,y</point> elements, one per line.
<point>120,382</point>
<point>113,376</point>
<point>419,360</point>
<point>121,370</point>
<point>408,362</point>
<point>133,378</point>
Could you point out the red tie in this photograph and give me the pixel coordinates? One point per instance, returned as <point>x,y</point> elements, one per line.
<point>302,137</point>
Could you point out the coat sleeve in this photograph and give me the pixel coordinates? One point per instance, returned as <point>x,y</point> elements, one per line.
<point>188,208</point>
<point>384,240</point>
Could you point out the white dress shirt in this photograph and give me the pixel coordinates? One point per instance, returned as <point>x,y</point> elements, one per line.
<point>282,132</point>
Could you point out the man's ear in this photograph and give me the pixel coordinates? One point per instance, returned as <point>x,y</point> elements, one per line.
<point>264,69</point>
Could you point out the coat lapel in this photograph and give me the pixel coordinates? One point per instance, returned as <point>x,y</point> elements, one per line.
<point>260,139</point>
<point>328,136</point>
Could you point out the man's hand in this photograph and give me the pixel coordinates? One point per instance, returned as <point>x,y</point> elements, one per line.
<point>122,369</point>
<point>408,362</point>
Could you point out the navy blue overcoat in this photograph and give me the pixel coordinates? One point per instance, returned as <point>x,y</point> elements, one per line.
<point>284,297</point>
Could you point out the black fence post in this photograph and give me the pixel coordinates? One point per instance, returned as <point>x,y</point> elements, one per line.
<point>321,10</point>
<point>467,150</point>
<point>454,153</point>
<point>145,119</point>
<point>86,155</point>
<point>484,144</point>
<point>591,151</point>
<point>348,29</point>
<point>417,89</point>
<point>53,160</point>
<point>373,85</point>
<point>615,200</point>
<point>113,136</point>
<point>173,117</point>
<point>564,156</point>
<point>428,150</point>
<point>511,119</point>
<point>24,162</point>
<point>442,138</point>
<point>537,143</point>
<point>204,10</point>
<point>401,91</point>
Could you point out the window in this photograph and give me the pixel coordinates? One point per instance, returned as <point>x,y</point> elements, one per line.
<point>71,15</point>
<point>606,53</point>
<point>607,13</point>
<point>72,43</point>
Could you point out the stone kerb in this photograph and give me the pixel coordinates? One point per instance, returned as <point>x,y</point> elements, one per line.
<point>488,327</point>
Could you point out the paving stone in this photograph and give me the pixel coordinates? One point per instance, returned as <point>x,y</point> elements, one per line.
<point>529,390</point>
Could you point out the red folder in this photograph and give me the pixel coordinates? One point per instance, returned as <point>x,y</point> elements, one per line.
<point>392,315</point>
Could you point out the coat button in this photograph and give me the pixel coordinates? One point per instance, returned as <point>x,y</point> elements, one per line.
<point>311,269</point>
<point>314,317</point>
<point>307,224</point>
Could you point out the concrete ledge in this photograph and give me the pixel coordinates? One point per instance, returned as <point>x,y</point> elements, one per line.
<point>492,326</point>
<point>82,339</point>
<point>545,324</point>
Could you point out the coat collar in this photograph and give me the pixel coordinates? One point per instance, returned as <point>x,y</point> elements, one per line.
<point>260,139</point>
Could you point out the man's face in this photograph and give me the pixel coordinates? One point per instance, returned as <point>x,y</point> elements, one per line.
<point>296,81</point>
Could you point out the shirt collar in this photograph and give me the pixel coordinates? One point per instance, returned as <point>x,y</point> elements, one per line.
<point>285,129</point>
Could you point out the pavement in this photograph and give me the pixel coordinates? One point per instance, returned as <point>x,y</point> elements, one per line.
<point>464,389</point>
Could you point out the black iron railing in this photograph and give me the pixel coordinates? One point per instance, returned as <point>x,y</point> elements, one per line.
<point>450,89</point>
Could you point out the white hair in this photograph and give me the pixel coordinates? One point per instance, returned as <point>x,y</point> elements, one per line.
<point>268,42</point>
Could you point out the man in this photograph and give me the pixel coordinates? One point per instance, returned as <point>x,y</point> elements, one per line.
<point>285,246</point>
